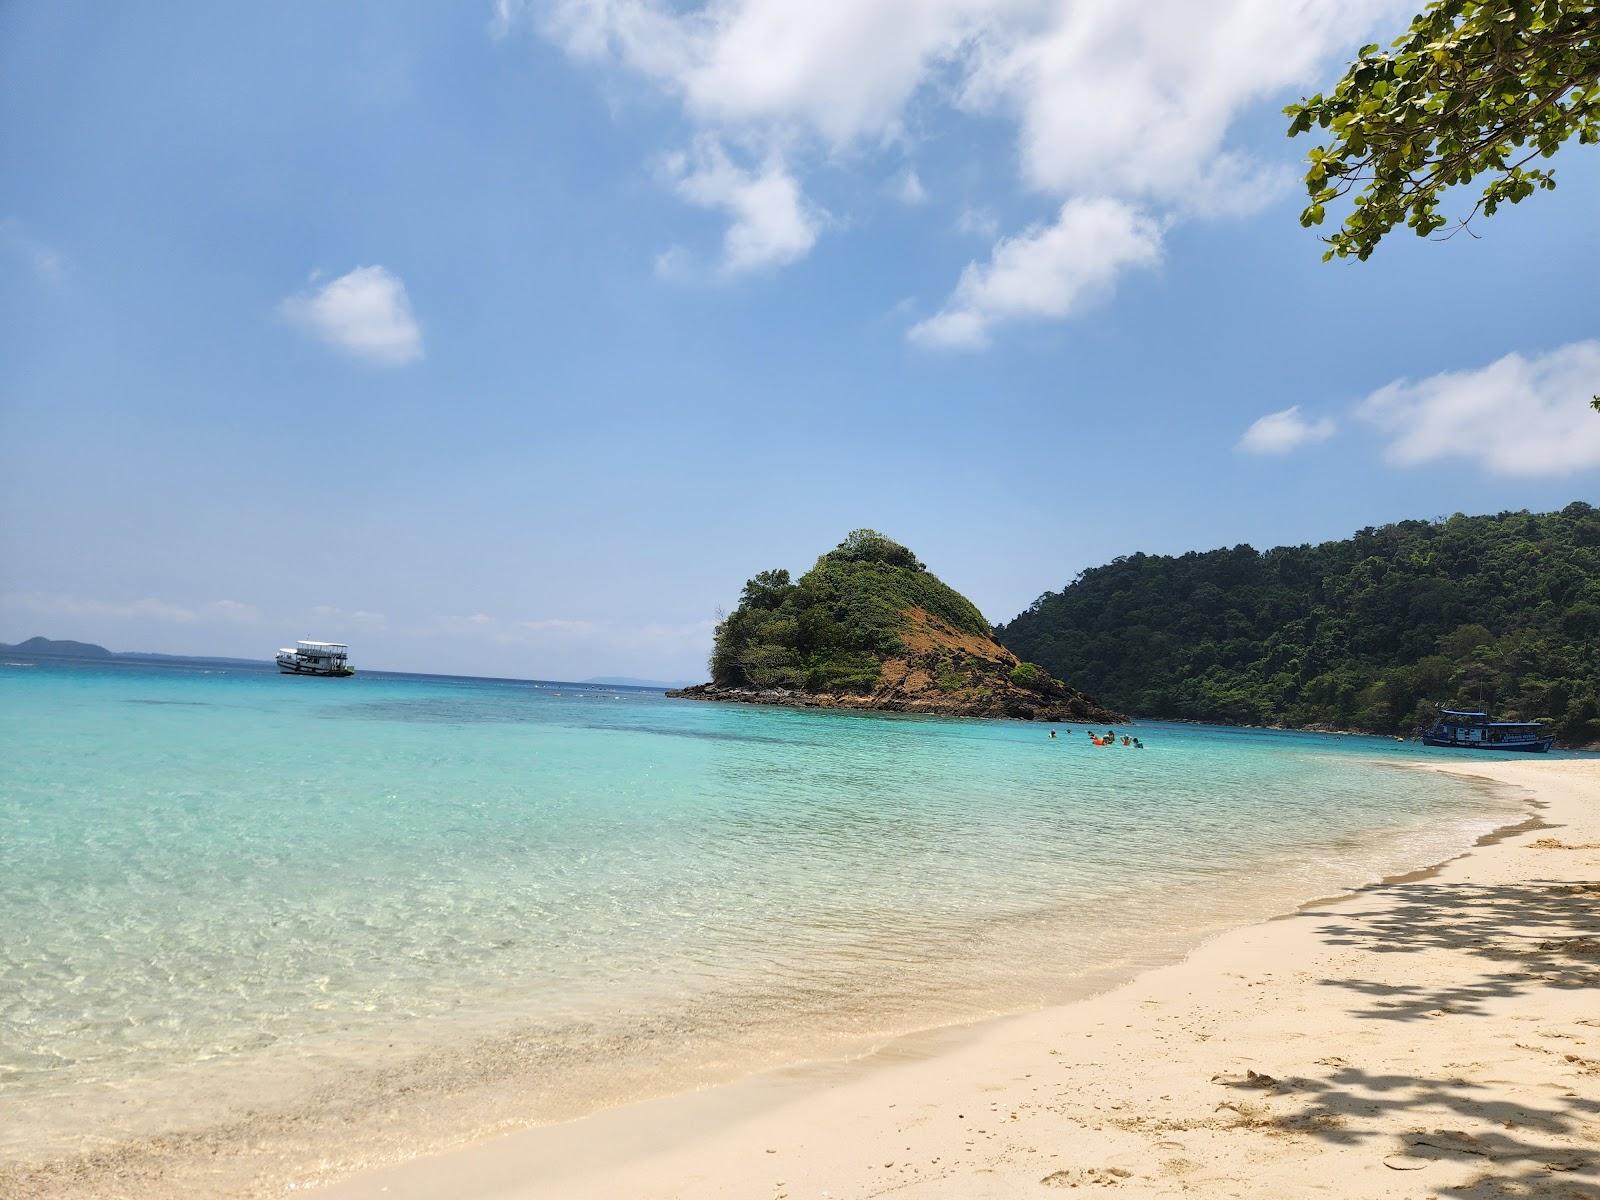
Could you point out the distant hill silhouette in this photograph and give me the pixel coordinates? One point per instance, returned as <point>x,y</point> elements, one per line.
<point>49,648</point>
<point>43,647</point>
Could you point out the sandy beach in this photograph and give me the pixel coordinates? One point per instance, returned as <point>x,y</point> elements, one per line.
<point>1435,1035</point>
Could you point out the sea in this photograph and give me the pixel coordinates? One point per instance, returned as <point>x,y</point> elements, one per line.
<point>257,930</point>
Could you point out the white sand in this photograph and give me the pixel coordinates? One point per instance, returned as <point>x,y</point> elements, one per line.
<point>1435,1036</point>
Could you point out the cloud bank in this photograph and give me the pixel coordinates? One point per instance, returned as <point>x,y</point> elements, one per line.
<point>1119,109</point>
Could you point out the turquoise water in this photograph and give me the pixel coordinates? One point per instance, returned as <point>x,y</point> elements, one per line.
<point>233,900</point>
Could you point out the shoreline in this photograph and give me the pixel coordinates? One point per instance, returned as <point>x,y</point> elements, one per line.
<point>1075,711</point>
<point>1332,731</point>
<point>1229,1080</point>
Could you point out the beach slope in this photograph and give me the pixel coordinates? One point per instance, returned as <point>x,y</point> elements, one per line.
<point>1436,1035</point>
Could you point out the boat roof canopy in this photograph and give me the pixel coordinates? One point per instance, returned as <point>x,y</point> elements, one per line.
<point>1482,718</point>
<point>309,645</point>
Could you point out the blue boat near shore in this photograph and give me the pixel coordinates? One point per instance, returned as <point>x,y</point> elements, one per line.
<point>1475,731</point>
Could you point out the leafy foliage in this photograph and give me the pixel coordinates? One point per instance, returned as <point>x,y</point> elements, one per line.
<point>1365,633</point>
<point>1473,88</point>
<point>830,630</point>
<point>868,545</point>
<point>1024,674</point>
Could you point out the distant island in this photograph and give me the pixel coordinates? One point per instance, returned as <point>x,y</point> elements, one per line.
<point>52,648</point>
<point>1366,633</point>
<point>43,647</point>
<point>870,627</point>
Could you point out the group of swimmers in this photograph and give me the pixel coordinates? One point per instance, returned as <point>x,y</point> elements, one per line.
<point>1110,739</point>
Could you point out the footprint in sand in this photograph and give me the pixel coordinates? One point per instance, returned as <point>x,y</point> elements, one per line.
<point>1425,1148</point>
<point>1087,1177</point>
<point>1578,947</point>
<point>1250,1079</point>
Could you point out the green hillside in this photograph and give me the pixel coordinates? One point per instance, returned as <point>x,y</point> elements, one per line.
<point>1364,633</point>
<point>870,627</point>
<point>832,629</point>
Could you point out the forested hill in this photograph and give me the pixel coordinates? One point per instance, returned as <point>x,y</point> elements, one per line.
<point>1365,633</point>
<point>870,627</point>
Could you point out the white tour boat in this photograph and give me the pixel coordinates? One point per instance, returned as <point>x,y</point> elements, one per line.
<point>316,658</point>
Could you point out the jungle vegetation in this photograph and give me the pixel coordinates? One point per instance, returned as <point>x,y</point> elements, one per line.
<point>1365,633</point>
<point>830,630</point>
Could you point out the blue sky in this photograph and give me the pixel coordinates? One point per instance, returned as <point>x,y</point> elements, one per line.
<point>511,339</point>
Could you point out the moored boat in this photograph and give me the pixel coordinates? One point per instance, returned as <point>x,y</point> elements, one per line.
<point>1475,731</point>
<point>328,659</point>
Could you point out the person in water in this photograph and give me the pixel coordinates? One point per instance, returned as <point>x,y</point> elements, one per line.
<point>1052,733</point>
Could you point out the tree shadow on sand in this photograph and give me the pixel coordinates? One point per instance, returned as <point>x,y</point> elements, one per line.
<point>1530,936</point>
<point>1546,934</point>
<point>1347,1108</point>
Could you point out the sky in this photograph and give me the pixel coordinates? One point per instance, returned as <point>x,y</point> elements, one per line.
<point>511,338</point>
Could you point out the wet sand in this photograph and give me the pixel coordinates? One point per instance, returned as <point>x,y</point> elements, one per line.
<point>1434,1035</point>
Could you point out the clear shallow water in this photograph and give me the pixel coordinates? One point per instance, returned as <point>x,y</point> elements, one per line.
<point>232,900</point>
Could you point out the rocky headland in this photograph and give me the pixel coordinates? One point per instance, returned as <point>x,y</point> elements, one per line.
<point>870,628</point>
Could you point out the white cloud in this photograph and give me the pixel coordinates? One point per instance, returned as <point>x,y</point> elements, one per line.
<point>978,222</point>
<point>43,260</point>
<point>770,223</point>
<point>1235,185</point>
<point>841,69</point>
<point>910,190</point>
<point>574,647</point>
<point>1046,271</point>
<point>503,15</point>
<point>235,610</point>
<point>1137,99</point>
<point>365,313</point>
<point>1127,102</point>
<point>676,265</point>
<point>48,604</point>
<point>358,618</point>
<point>557,625</point>
<point>1517,416</point>
<point>1283,431</point>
